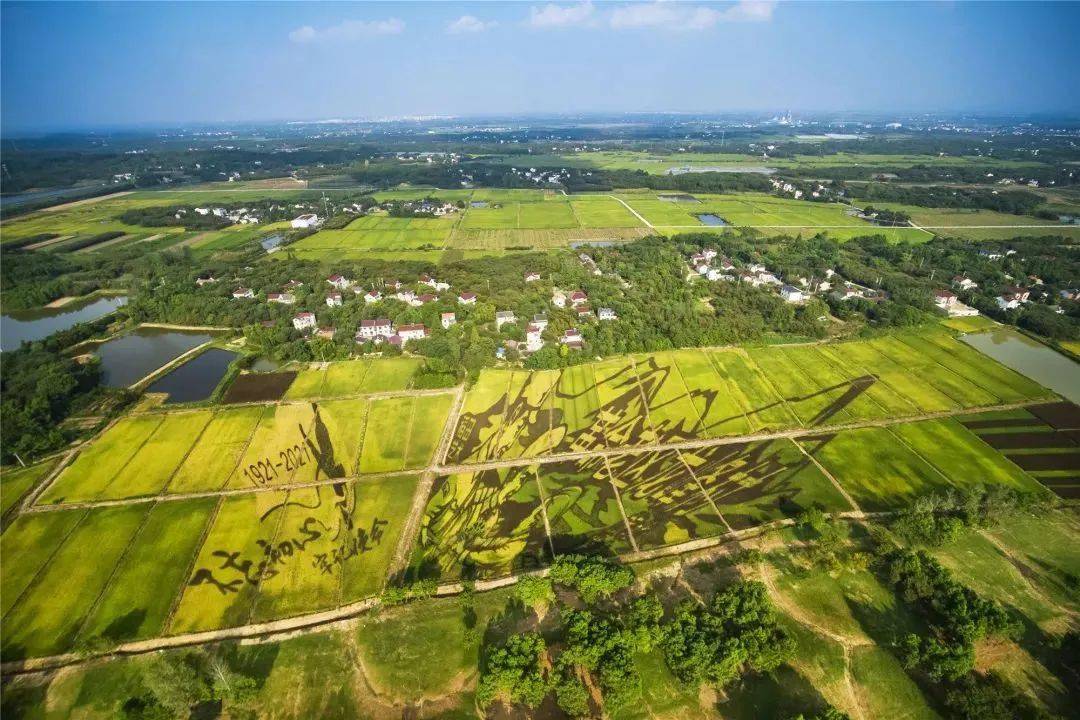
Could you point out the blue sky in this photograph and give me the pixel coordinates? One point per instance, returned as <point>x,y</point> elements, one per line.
<point>117,64</point>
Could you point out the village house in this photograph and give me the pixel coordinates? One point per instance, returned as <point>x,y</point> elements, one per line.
<point>425,299</point>
<point>372,296</point>
<point>393,285</point>
<point>466,298</point>
<point>1012,298</point>
<point>540,320</point>
<point>792,294</point>
<point>584,312</point>
<point>305,222</point>
<point>339,281</point>
<point>713,274</point>
<point>411,332</point>
<point>943,299</point>
<point>333,300</point>
<point>281,298</point>
<point>607,314</point>
<point>205,280</point>
<point>448,319</point>
<point>578,298</point>
<point>504,317</point>
<point>589,264</point>
<point>433,283</point>
<point>964,283</point>
<point>709,254</point>
<point>768,278</point>
<point>239,293</point>
<point>533,338</point>
<point>558,299</point>
<point>405,296</point>
<point>847,292</point>
<point>532,276</point>
<point>304,321</point>
<point>372,329</point>
<point>572,339</point>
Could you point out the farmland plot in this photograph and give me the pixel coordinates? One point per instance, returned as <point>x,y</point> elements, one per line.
<point>483,524</point>
<point>663,502</point>
<point>753,483</point>
<point>582,508</point>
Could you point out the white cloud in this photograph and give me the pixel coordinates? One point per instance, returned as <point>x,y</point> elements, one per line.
<point>347,30</point>
<point>553,15</point>
<point>685,16</point>
<point>469,24</point>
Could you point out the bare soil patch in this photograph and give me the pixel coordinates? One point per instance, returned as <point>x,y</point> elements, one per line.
<point>258,387</point>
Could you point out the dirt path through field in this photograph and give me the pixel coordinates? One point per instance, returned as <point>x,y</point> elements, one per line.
<point>796,613</point>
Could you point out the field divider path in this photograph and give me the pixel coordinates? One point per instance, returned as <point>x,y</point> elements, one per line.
<point>167,622</point>
<point>846,644</point>
<point>639,216</point>
<point>756,369</point>
<point>177,497</point>
<point>644,401</point>
<point>127,462</point>
<point>35,492</point>
<point>836,484</point>
<point>408,434</point>
<point>443,469</point>
<point>45,565</point>
<point>708,498</point>
<point>618,501</point>
<point>240,455</point>
<point>732,439</point>
<point>116,568</point>
<point>411,527</point>
<point>861,370</point>
<point>450,428</point>
<point>257,595</point>
<point>904,443</point>
<point>360,446</point>
<point>543,512</point>
<point>165,486</point>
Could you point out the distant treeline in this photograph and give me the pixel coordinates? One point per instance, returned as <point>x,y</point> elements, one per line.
<point>1017,202</point>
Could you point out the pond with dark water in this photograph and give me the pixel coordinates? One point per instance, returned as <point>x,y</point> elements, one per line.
<point>709,219</point>
<point>196,379</point>
<point>29,325</point>
<point>129,358</point>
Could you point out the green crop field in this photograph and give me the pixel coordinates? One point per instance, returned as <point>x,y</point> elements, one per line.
<point>376,232</point>
<point>15,483</point>
<point>713,393</point>
<point>353,377</point>
<point>48,614</point>
<point>402,432</point>
<point>980,224</point>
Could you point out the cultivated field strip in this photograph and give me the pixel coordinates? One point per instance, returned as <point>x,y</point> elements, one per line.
<point>697,394</point>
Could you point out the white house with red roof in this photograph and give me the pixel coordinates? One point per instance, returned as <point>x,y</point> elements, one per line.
<point>372,296</point>
<point>372,329</point>
<point>281,298</point>
<point>339,281</point>
<point>333,300</point>
<point>448,319</point>
<point>304,321</point>
<point>572,339</point>
<point>411,332</point>
<point>466,298</point>
<point>240,293</point>
<point>578,298</point>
